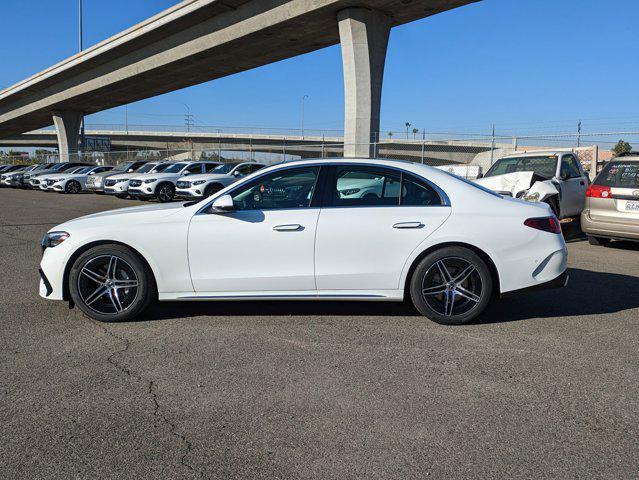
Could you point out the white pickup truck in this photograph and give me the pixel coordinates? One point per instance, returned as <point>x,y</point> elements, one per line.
<point>554,177</point>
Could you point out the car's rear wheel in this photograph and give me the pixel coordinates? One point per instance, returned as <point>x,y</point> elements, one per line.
<point>73,187</point>
<point>110,283</point>
<point>598,241</point>
<point>451,286</point>
<point>165,192</point>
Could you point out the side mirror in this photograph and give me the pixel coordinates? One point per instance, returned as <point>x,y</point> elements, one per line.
<point>223,204</point>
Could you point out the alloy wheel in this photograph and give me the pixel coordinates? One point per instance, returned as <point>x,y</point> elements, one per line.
<point>107,284</point>
<point>452,286</point>
<point>165,193</point>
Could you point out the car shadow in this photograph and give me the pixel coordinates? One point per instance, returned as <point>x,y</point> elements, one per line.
<point>615,293</point>
<point>587,293</point>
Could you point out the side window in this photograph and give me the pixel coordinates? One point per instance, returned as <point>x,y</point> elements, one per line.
<point>195,168</point>
<point>417,193</point>
<point>284,189</point>
<point>365,186</point>
<point>569,167</point>
<point>255,168</point>
<point>210,166</point>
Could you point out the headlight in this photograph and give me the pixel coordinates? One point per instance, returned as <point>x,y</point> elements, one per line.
<point>53,239</point>
<point>151,180</point>
<point>199,182</point>
<point>349,191</point>
<point>532,197</point>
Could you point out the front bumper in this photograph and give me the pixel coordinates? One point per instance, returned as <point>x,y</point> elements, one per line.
<point>142,191</point>
<point>190,193</point>
<point>117,189</point>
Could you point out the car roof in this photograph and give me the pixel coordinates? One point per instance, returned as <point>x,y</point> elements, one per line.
<point>626,158</point>
<point>537,153</point>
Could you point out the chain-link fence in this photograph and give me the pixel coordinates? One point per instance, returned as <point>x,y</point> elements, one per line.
<point>436,149</point>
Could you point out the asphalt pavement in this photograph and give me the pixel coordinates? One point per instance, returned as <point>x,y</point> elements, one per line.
<point>545,385</point>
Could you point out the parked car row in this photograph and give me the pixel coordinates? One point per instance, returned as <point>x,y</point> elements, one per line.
<point>161,180</point>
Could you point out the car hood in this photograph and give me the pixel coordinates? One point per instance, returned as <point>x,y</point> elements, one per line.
<point>518,183</point>
<point>122,216</point>
<point>205,176</point>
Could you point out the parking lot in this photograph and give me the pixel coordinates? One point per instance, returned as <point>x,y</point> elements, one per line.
<point>544,385</point>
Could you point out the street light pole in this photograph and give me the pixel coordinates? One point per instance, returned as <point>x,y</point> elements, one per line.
<point>303,98</point>
<point>81,47</point>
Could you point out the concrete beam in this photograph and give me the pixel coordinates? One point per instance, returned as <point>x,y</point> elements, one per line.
<point>364,38</point>
<point>67,124</point>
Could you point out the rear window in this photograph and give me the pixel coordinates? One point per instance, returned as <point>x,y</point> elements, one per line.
<point>619,174</point>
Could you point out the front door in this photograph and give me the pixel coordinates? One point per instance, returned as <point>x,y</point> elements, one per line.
<point>266,245</point>
<point>573,187</point>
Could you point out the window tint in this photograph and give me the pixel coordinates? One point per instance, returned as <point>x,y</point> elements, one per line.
<point>243,170</point>
<point>284,189</point>
<point>569,167</point>
<point>365,186</point>
<point>417,193</point>
<point>195,168</point>
<point>211,166</point>
<point>255,168</point>
<point>619,174</point>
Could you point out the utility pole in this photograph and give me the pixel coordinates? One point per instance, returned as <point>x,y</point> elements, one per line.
<point>189,120</point>
<point>579,134</point>
<point>81,47</point>
<point>492,147</point>
<point>303,98</point>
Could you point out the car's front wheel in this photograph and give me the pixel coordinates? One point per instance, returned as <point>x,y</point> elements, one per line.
<point>451,286</point>
<point>165,192</point>
<point>110,283</point>
<point>73,187</point>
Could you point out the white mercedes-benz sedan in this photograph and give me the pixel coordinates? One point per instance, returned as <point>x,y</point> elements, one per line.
<point>303,230</point>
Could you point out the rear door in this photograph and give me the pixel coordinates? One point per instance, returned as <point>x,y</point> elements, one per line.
<point>574,184</point>
<point>371,221</point>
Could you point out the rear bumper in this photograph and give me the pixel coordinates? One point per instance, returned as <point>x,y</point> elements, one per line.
<point>560,282</point>
<point>614,230</point>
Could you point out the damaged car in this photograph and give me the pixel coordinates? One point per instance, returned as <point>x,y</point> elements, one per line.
<point>555,178</point>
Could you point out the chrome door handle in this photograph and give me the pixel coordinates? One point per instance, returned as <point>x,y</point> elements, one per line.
<point>288,228</point>
<point>405,225</point>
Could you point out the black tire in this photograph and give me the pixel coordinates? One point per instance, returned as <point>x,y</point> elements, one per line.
<point>554,205</point>
<point>119,302</point>
<point>471,289</point>
<point>212,189</point>
<point>598,241</point>
<point>165,192</point>
<point>73,187</point>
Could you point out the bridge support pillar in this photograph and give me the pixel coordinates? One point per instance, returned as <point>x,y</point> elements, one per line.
<point>364,37</point>
<point>67,124</point>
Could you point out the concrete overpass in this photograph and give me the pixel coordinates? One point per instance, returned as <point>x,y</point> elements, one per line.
<point>201,40</point>
<point>432,152</point>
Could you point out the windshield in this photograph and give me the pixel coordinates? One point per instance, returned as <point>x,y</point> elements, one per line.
<point>544,166</point>
<point>620,175</point>
<point>224,168</point>
<point>123,167</point>
<point>146,168</point>
<point>161,167</point>
<point>176,167</point>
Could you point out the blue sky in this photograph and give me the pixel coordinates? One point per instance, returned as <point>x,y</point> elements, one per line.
<point>524,65</point>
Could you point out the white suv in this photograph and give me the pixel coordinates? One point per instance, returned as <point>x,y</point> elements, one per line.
<point>205,185</point>
<point>118,185</point>
<point>162,184</point>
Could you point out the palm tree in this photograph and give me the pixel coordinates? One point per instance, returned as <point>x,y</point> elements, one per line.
<point>415,132</point>
<point>390,134</point>
<point>407,127</point>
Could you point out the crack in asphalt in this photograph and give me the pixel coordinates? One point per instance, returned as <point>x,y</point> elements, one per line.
<point>157,411</point>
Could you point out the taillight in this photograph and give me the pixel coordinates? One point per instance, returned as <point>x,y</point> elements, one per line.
<point>547,224</point>
<point>598,191</point>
